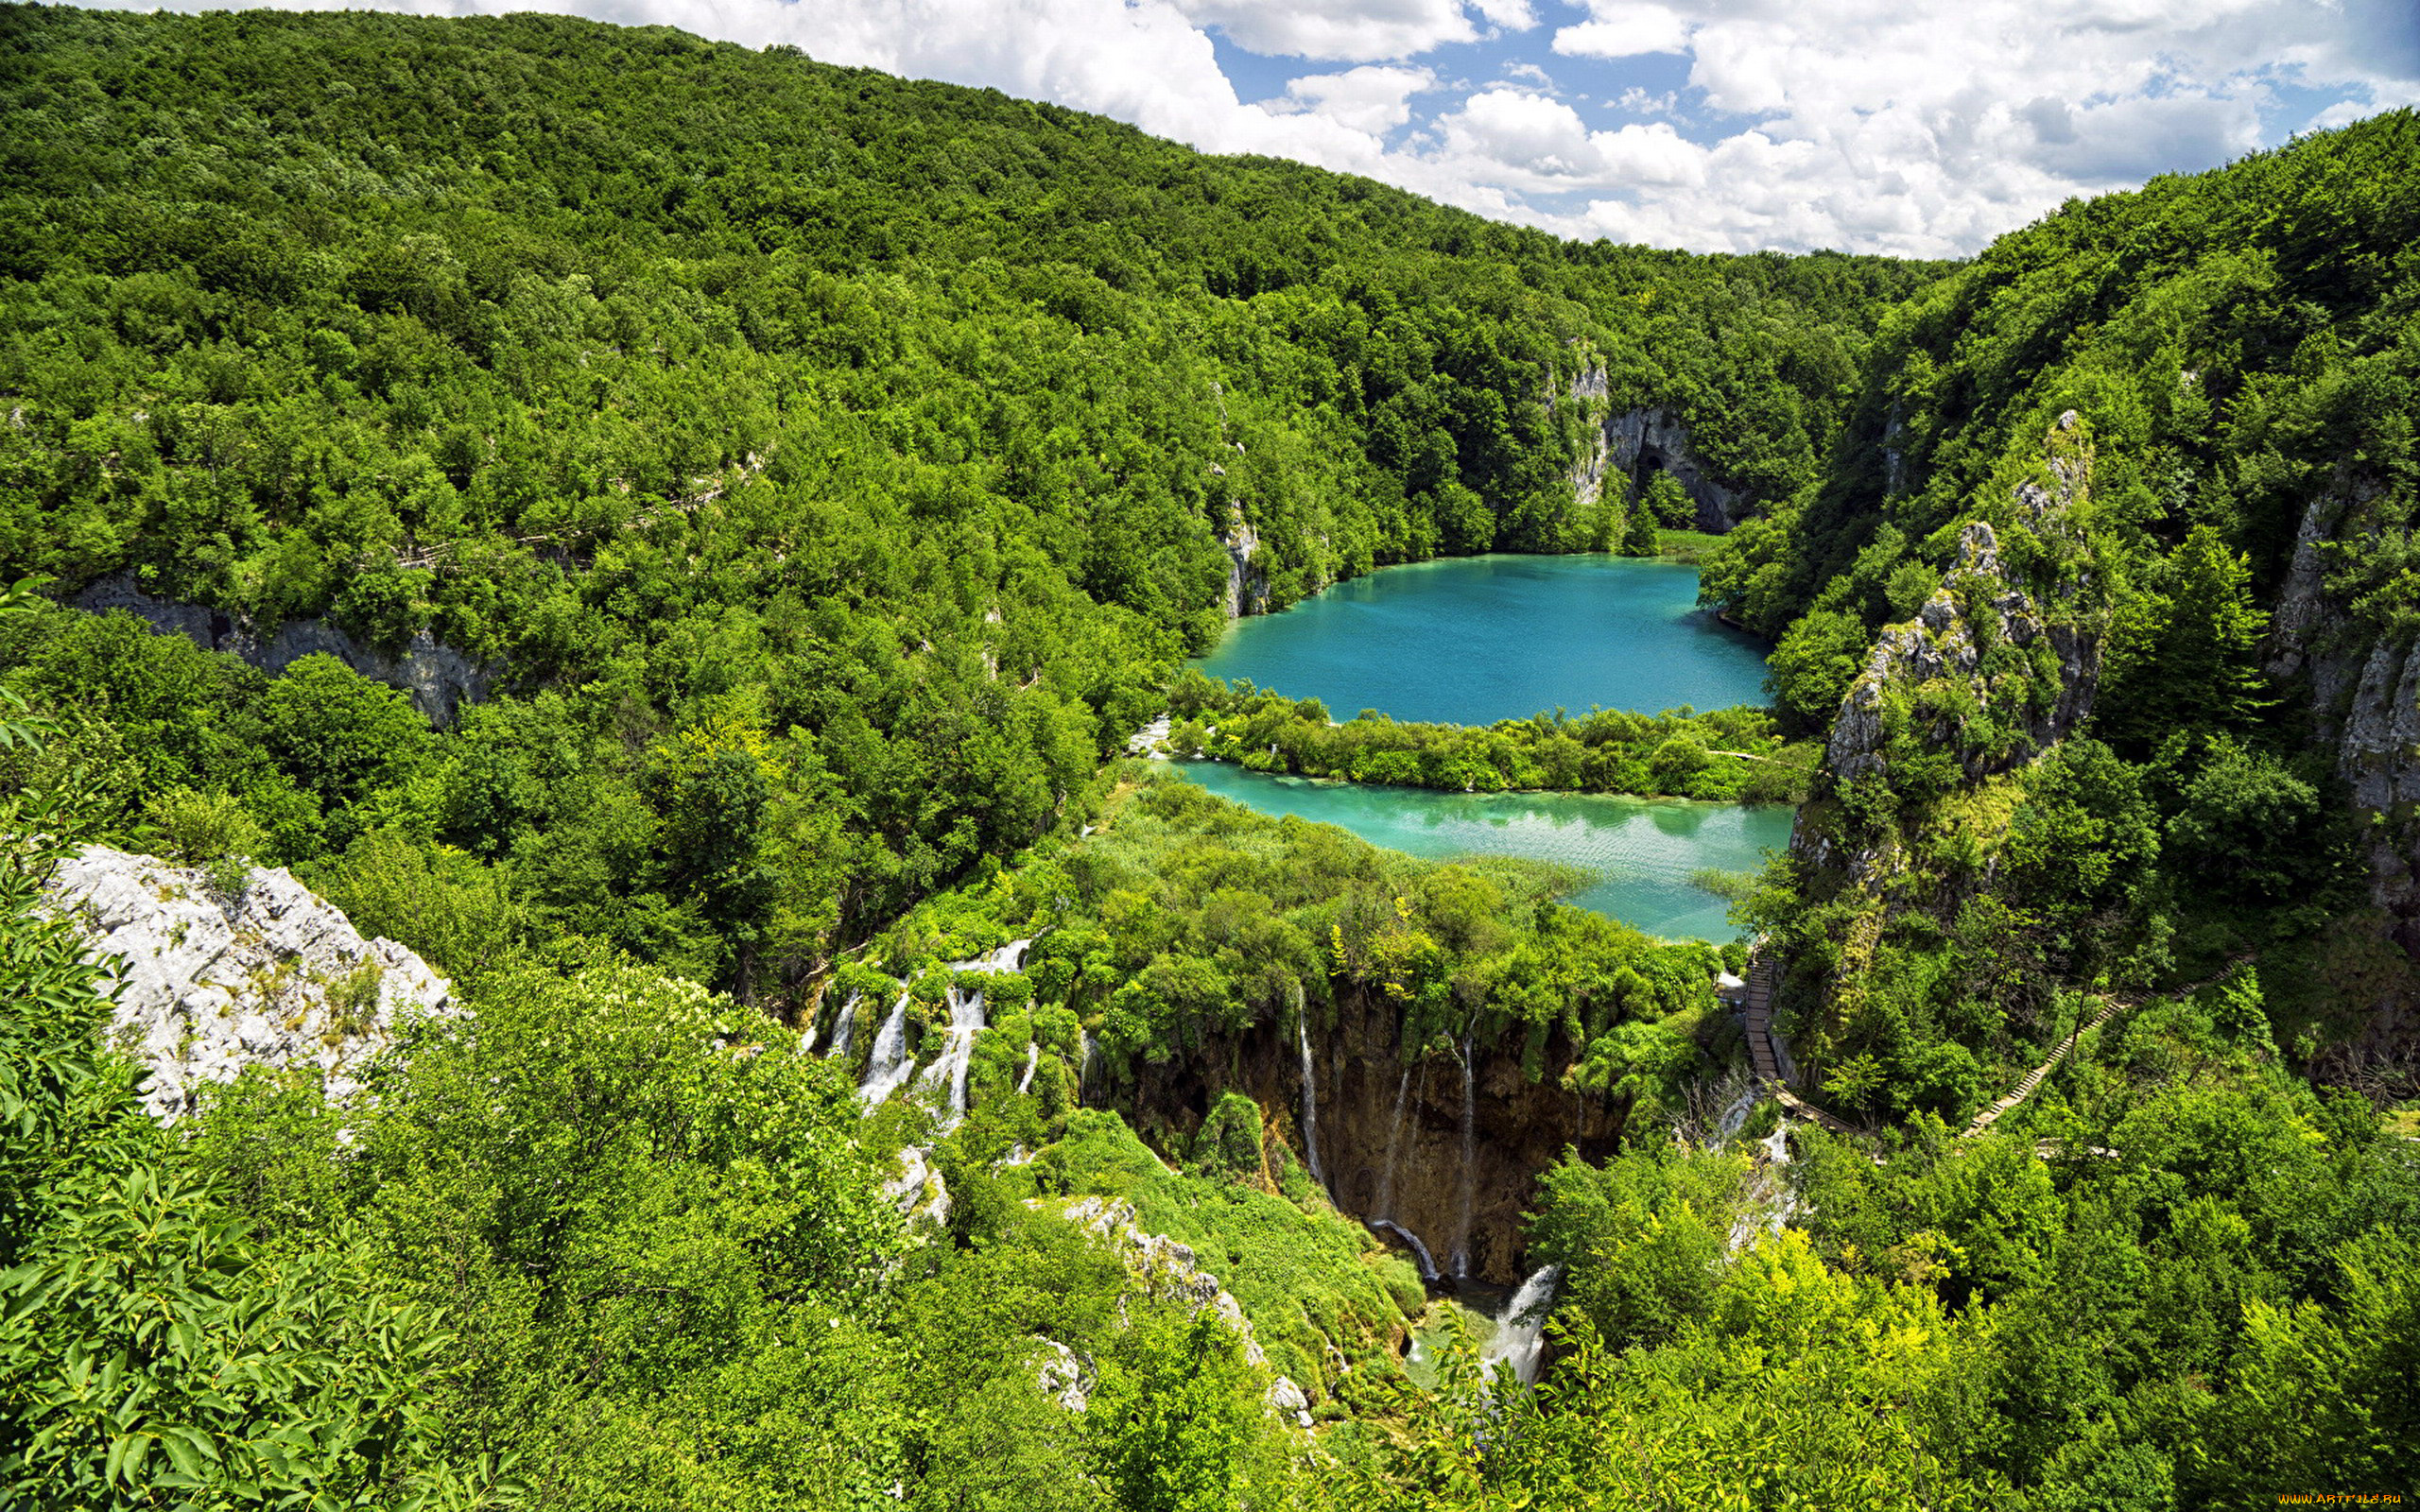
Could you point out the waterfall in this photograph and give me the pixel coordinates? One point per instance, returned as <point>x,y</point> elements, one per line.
<point>1084,1051</point>
<point>1470,1165</point>
<point>948,1070</point>
<point>1735,1116</point>
<point>1770,1202</point>
<point>1419,1250</point>
<point>889,1063</point>
<point>844,1030</point>
<point>1310,1102</point>
<point>1032,1059</point>
<point>1394,1141</point>
<point>1520,1331</point>
<point>950,1067</point>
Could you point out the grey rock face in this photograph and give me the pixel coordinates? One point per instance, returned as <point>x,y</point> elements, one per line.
<point>1624,443</point>
<point>2364,693</point>
<point>208,986</point>
<point>1945,641</point>
<point>918,1190</point>
<point>1247,590</point>
<point>439,678</point>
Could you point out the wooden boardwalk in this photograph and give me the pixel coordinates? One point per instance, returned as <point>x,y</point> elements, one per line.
<point>1764,975</point>
<point>2023,1089</point>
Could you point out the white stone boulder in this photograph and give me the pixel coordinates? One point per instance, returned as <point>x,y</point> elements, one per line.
<point>208,984</point>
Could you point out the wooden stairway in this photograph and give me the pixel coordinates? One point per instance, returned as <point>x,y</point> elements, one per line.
<point>2034,1078</point>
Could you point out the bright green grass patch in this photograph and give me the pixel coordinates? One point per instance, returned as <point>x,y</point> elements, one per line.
<point>1312,1282</point>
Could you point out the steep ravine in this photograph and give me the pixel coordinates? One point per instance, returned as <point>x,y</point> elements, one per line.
<point>1392,1136</point>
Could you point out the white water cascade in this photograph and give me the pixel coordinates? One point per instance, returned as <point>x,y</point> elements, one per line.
<point>887,1064</point>
<point>1394,1142</point>
<point>948,1070</point>
<point>1310,1102</point>
<point>1771,1203</point>
<point>844,1030</point>
<point>1428,1266</point>
<point>1470,1166</point>
<point>1735,1116</point>
<point>1520,1333</point>
<point>1032,1059</point>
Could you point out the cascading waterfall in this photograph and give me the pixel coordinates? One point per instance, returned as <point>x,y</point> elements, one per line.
<point>1771,1203</point>
<point>1520,1333</point>
<point>887,1064</point>
<point>1310,1102</point>
<point>890,1065</point>
<point>948,1071</point>
<point>1428,1266</point>
<point>950,1067</point>
<point>1084,1052</point>
<point>1470,1165</point>
<point>1735,1116</point>
<point>1394,1142</point>
<point>1032,1059</point>
<point>844,1030</point>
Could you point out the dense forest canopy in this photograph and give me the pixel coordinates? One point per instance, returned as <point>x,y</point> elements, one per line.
<point>810,480</point>
<point>900,426</point>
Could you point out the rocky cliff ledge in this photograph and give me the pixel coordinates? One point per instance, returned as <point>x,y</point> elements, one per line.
<point>1625,446</point>
<point>439,678</point>
<point>209,982</point>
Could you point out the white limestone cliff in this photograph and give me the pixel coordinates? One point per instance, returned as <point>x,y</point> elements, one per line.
<point>209,982</point>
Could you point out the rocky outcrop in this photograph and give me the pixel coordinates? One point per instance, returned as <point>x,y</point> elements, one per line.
<point>209,982</point>
<point>439,678</point>
<point>2363,689</point>
<point>1625,447</point>
<point>1975,610</point>
<point>918,1190</point>
<point>1161,1267</point>
<point>1984,652</point>
<point>1247,586</point>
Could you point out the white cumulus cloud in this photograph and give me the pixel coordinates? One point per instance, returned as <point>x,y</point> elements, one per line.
<point>1356,30</point>
<point>1368,99</point>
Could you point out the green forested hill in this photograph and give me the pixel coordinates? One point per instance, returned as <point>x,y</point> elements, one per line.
<point>2187,414</point>
<point>831,472</point>
<point>899,423</point>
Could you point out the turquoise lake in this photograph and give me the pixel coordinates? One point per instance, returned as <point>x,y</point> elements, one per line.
<point>1481,638</point>
<point>1642,850</point>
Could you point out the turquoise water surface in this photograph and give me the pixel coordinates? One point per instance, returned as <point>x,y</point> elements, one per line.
<point>1479,639</point>
<point>1643,850</point>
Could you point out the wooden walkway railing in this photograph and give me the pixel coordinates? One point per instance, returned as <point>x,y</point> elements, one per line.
<point>2023,1089</point>
<point>1764,975</point>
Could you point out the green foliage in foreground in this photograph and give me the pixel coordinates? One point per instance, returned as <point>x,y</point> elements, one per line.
<point>2200,1290</point>
<point>1313,1282</point>
<point>1731,755</point>
<point>156,1337</point>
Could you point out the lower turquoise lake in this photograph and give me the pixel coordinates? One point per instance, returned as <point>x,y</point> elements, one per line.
<point>1642,850</point>
<point>1473,640</point>
<point>1479,639</point>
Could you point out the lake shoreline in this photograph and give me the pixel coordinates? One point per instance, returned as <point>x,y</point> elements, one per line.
<point>1181,762</point>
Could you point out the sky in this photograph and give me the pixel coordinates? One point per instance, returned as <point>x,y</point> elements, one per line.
<point>1916,128</point>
